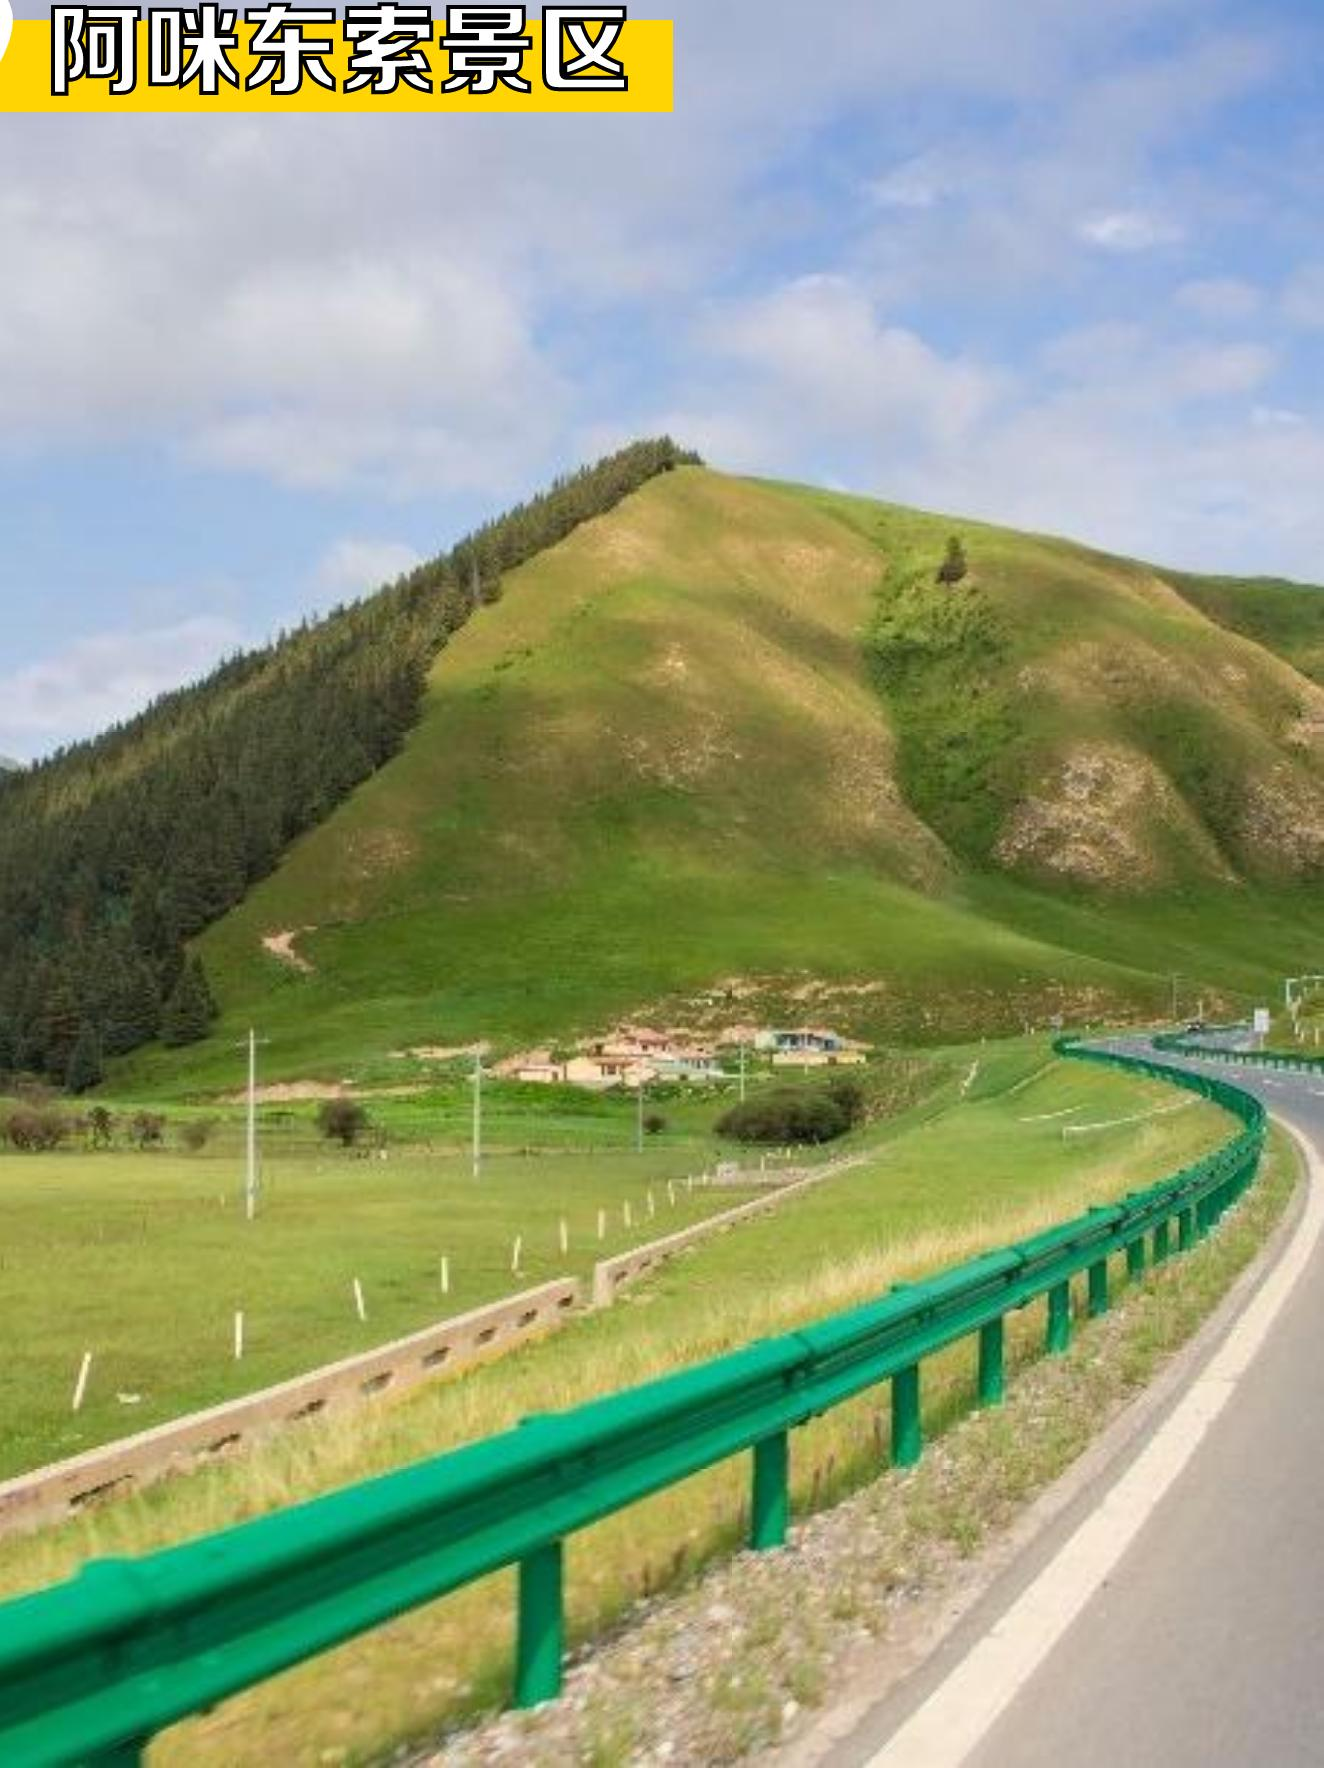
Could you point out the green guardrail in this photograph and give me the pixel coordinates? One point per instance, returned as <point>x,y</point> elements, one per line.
<point>94,1668</point>
<point>1185,1043</point>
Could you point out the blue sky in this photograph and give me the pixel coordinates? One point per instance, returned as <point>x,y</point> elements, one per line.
<point>1055,264</point>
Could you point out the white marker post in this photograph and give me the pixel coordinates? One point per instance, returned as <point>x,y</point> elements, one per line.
<point>652,1207</point>
<point>602,1224</point>
<point>445,1275</point>
<point>671,1194</point>
<point>358,1300</point>
<point>627,1214</point>
<point>239,1335</point>
<point>515,1255</point>
<point>565,1237</point>
<point>478,1112</point>
<point>80,1386</point>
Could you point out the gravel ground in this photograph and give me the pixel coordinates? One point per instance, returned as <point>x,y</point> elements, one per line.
<point>733,1665</point>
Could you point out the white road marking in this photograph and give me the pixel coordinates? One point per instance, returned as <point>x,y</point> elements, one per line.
<point>1052,1116</point>
<point>970,1079</point>
<point>1115,1123</point>
<point>1029,1080</point>
<point>957,1716</point>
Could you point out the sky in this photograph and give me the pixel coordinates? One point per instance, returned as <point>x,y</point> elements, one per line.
<point>1055,264</point>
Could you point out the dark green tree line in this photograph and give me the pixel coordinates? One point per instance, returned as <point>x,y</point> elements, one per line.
<point>115,853</point>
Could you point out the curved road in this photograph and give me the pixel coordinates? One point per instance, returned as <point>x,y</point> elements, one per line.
<point>1196,1640</point>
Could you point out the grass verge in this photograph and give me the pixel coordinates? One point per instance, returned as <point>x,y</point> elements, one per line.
<point>732,1664</point>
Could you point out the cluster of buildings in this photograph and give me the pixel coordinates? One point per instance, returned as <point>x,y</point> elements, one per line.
<point>636,1057</point>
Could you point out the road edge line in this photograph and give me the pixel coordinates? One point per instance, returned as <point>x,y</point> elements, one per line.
<point>954,1719</point>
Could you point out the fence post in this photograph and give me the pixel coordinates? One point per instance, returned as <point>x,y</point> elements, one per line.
<point>1135,1258</point>
<point>1098,1289</point>
<point>907,1429</point>
<point>992,1363</point>
<point>541,1626</point>
<point>1185,1230</point>
<point>770,1506</point>
<point>1059,1318</point>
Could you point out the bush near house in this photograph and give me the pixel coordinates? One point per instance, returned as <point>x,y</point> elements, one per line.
<point>797,1114</point>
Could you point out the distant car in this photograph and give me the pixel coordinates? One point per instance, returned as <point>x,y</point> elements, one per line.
<point>1197,1025</point>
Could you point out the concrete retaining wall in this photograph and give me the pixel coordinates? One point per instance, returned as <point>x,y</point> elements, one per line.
<point>612,1275</point>
<point>120,1467</point>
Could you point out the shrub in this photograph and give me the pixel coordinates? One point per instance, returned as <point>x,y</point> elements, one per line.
<point>147,1129</point>
<point>34,1129</point>
<point>342,1120</point>
<point>797,1114</point>
<point>654,1123</point>
<point>100,1127</point>
<point>196,1133</point>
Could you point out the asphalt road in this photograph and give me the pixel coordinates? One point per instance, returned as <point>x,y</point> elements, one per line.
<point>1204,1646</point>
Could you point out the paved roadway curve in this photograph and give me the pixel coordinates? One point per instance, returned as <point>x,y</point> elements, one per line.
<point>1204,1645</point>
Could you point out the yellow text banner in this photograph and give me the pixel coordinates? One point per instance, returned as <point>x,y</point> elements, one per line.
<point>44,54</point>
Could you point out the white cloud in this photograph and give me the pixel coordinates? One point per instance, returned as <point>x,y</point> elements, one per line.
<point>1129,230</point>
<point>354,567</point>
<point>1222,300</point>
<point>919,183</point>
<point>1303,298</point>
<point>815,358</point>
<point>1143,364</point>
<point>104,678</point>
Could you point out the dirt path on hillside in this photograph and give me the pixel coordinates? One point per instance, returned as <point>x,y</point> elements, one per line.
<point>281,947</point>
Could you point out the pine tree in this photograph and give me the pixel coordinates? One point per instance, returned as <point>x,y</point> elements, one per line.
<point>115,852</point>
<point>954,567</point>
<point>186,1017</point>
<point>84,1071</point>
<point>59,1026</point>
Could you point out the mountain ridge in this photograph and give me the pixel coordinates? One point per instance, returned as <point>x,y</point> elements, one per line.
<point>673,721</point>
<point>733,738</point>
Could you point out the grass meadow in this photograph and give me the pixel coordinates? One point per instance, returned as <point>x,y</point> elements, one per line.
<point>952,1176</point>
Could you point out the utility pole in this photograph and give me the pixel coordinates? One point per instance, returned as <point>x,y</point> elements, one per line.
<point>478,1111</point>
<point>251,1172</point>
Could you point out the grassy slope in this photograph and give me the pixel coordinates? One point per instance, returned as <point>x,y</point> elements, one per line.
<point>945,1184</point>
<point>1287,618</point>
<point>662,762</point>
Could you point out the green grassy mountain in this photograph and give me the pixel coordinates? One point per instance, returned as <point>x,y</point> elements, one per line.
<point>730,750</point>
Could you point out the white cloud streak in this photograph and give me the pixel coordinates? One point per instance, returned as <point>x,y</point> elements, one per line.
<point>106,677</point>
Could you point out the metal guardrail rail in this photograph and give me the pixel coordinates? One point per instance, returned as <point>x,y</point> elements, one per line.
<point>1182,1043</point>
<point>94,1668</point>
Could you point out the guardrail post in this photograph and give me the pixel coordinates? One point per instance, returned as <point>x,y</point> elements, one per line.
<point>907,1428</point>
<point>1135,1258</point>
<point>541,1626</point>
<point>992,1363</point>
<point>1162,1242</point>
<point>770,1506</point>
<point>1098,1289</point>
<point>1059,1318</point>
<point>1185,1230</point>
